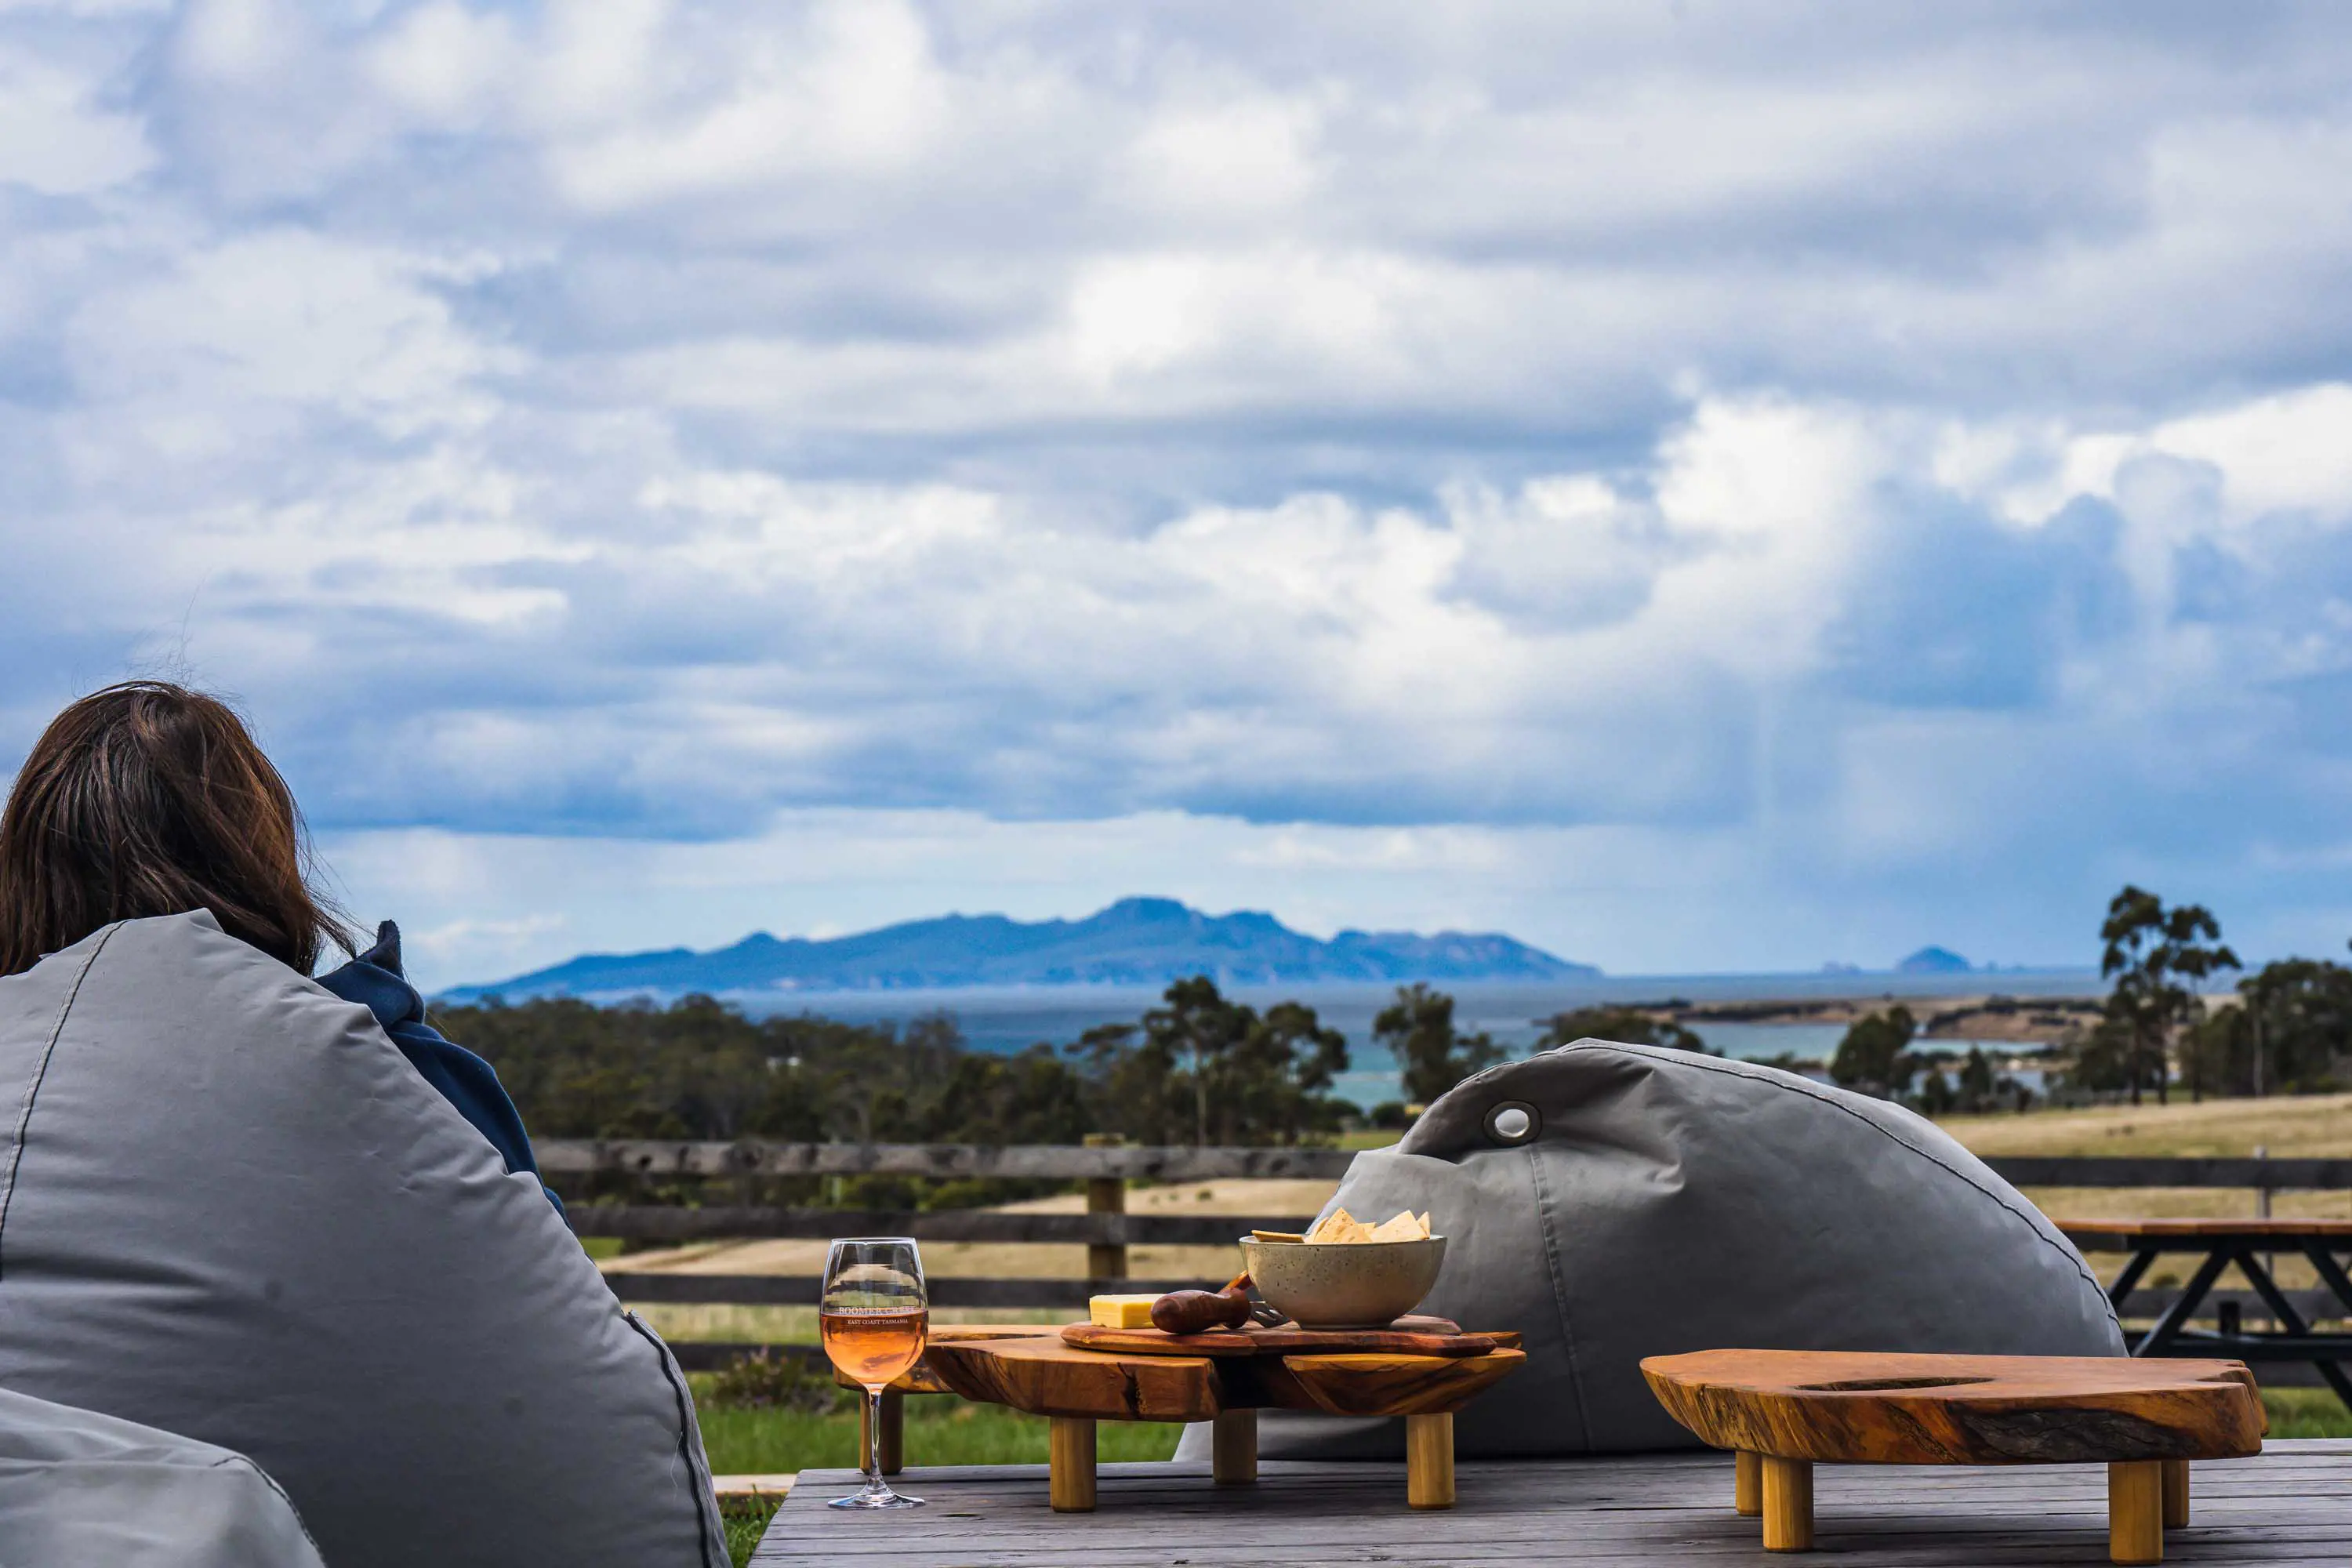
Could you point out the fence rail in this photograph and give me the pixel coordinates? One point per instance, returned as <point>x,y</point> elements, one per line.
<point>2152,1171</point>
<point>650,1222</point>
<point>756,1157</point>
<point>1107,1231</point>
<point>801,1290</point>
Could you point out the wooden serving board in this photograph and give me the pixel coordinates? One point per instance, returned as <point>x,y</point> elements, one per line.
<point>1044,1374</point>
<point>1406,1336</point>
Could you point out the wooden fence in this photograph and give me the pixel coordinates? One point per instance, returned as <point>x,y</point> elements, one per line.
<point>1106,1229</point>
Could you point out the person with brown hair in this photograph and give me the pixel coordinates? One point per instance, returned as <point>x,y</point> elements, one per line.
<point>146,799</point>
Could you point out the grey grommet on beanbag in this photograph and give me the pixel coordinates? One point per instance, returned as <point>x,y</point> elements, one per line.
<point>1614,1202</point>
<point>79,1488</point>
<point>229,1209</point>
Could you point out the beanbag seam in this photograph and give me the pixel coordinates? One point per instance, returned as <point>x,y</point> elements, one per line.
<point>32,1085</point>
<point>685,1425</point>
<point>1705,1064</point>
<point>271,1483</point>
<point>1559,1294</point>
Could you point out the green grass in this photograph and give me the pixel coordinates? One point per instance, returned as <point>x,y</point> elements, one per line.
<point>2306,1413</point>
<point>746,1519</point>
<point>940,1430</point>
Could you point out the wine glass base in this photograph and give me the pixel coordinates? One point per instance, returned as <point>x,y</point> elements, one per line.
<point>883,1498</point>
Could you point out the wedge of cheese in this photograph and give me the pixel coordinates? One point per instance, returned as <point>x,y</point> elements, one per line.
<point>1120,1311</point>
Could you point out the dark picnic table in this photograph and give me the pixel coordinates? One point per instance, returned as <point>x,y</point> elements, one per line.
<point>2289,1505</point>
<point>2220,1243</point>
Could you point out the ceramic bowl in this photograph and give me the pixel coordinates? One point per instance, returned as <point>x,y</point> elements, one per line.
<point>1344,1285</point>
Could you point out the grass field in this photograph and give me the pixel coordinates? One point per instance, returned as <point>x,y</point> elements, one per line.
<point>2298,1126</point>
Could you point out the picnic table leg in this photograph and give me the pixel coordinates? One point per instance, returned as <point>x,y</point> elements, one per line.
<point>2331,1274</point>
<point>2136,1512</point>
<point>1787,1504</point>
<point>2126,1282</point>
<point>2290,1320</point>
<point>1429,1460</point>
<point>2192,1295</point>
<point>894,1430</point>
<point>1070,1475</point>
<point>1233,1448</point>
<point>1747,1484</point>
<point>2175,1494</point>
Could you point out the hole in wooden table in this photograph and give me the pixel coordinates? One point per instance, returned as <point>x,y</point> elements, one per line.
<point>1874,1384</point>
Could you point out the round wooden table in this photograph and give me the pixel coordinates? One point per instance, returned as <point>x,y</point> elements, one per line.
<point>1034,1369</point>
<point>1782,1412</point>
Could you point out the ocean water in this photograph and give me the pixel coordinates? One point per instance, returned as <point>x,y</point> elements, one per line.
<point>1010,1018</point>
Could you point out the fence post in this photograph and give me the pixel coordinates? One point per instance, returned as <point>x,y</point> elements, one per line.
<point>2263,1203</point>
<point>1106,1194</point>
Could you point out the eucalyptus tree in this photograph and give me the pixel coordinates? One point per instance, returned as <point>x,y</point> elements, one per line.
<point>2159,959</point>
<point>1875,1057</point>
<point>1418,1029</point>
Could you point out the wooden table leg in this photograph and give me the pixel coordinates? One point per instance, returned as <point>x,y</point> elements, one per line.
<point>1429,1460</point>
<point>1787,1504</point>
<point>2175,1494</point>
<point>894,1430</point>
<point>2136,1512</point>
<point>1233,1448</point>
<point>1747,1484</point>
<point>1070,1476</point>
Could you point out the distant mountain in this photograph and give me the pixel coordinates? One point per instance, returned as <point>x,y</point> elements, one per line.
<point>1135,942</point>
<point>1934,961</point>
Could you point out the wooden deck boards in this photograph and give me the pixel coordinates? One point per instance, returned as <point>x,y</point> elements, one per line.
<point>2290,1505</point>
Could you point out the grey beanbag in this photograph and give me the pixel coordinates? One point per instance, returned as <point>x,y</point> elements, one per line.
<point>79,1488</point>
<point>1661,1200</point>
<point>230,1208</point>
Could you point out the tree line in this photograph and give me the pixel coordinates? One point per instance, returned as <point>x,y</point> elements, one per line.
<point>1200,1068</point>
<point>2287,1031</point>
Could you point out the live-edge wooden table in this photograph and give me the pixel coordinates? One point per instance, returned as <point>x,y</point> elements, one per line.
<point>1030,1368</point>
<point>1782,1412</point>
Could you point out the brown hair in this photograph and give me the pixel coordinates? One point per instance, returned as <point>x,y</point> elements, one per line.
<point>149,799</point>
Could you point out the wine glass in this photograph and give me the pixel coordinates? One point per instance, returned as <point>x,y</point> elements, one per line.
<point>873,1319</point>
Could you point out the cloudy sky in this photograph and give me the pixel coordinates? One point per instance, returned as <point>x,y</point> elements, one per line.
<point>1696,485</point>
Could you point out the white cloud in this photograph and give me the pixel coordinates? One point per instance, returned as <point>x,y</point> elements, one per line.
<point>853,90</point>
<point>444,63</point>
<point>1435,443</point>
<point>1223,155</point>
<point>54,140</point>
<point>272,325</point>
<point>2291,452</point>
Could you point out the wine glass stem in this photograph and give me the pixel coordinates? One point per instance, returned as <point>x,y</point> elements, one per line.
<point>873,1438</point>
